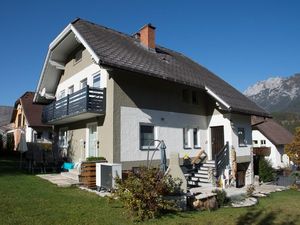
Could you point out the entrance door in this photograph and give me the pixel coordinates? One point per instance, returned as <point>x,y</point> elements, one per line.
<point>217,140</point>
<point>92,140</point>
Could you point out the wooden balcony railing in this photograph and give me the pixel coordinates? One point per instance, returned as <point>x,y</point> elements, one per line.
<point>86,100</point>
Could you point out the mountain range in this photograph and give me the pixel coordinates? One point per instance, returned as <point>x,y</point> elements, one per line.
<point>281,97</point>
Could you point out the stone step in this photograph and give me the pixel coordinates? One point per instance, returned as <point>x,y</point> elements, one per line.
<point>205,172</point>
<point>203,169</point>
<point>193,183</point>
<point>194,178</point>
<point>201,175</point>
<point>204,180</point>
<point>210,161</point>
<point>208,165</point>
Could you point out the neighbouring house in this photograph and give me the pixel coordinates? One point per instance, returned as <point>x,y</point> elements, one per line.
<point>27,118</point>
<point>111,94</point>
<point>6,127</point>
<point>269,139</point>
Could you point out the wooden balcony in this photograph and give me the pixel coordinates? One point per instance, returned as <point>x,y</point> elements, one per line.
<point>262,151</point>
<point>83,104</point>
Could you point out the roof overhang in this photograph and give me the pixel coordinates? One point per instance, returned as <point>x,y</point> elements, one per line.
<point>58,52</point>
<point>219,100</point>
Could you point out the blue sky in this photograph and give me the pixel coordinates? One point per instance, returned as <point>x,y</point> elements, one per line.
<point>240,41</point>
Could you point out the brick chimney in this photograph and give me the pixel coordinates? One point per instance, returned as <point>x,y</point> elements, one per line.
<point>147,36</point>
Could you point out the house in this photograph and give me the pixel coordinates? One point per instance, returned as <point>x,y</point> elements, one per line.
<point>27,117</point>
<point>269,139</point>
<point>5,127</point>
<point>111,94</point>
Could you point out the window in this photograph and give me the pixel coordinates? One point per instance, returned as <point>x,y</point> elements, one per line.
<point>194,97</point>
<point>146,136</point>
<point>83,83</point>
<point>241,137</point>
<point>61,94</point>
<point>186,138</point>
<point>196,135</point>
<point>255,142</point>
<point>78,56</point>
<point>63,138</point>
<point>50,136</point>
<point>39,135</point>
<point>96,81</point>
<point>263,142</point>
<point>71,90</point>
<point>185,96</point>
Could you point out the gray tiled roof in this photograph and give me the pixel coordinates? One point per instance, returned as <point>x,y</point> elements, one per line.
<point>125,52</point>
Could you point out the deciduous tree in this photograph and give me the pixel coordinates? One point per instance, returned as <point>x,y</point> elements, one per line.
<point>293,149</point>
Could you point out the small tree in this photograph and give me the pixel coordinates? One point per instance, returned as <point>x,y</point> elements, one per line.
<point>142,193</point>
<point>293,149</point>
<point>266,172</point>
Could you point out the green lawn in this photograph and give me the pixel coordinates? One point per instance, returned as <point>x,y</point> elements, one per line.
<point>27,199</point>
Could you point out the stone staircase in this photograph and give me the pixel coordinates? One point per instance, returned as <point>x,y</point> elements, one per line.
<point>200,177</point>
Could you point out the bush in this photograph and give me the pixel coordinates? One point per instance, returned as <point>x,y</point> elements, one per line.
<point>221,197</point>
<point>92,158</point>
<point>142,193</point>
<point>266,172</point>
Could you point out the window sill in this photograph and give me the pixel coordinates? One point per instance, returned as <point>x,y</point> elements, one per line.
<point>197,147</point>
<point>145,148</point>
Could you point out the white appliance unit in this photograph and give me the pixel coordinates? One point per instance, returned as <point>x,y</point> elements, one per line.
<point>106,174</point>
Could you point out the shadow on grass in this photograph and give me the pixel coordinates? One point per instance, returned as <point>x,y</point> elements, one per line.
<point>263,217</point>
<point>10,165</point>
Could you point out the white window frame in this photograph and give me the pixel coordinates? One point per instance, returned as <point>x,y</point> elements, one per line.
<point>62,94</point>
<point>82,81</point>
<point>71,88</point>
<point>65,137</point>
<point>94,76</point>
<point>263,142</point>
<point>155,135</point>
<point>197,137</point>
<point>187,133</point>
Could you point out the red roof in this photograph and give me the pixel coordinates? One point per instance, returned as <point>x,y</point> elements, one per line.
<point>33,112</point>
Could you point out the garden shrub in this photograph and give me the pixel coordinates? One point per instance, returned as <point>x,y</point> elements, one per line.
<point>266,172</point>
<point>142,193</point>
<point>93,158</point>
<point>221,197</point>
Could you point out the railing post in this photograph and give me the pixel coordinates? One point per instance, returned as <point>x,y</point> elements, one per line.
<point>87,97</point>
<point>104,100</point>
<point>53,109</point>
<point>67,111</point>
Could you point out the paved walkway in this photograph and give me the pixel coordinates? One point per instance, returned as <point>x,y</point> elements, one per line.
<point>59,180</point>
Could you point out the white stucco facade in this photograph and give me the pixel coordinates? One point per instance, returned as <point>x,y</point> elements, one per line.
<point>168,127</point>
<point>87,73</point>
<point>277,156</point>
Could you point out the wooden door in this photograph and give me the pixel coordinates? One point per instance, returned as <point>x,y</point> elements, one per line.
<point>217,140</point>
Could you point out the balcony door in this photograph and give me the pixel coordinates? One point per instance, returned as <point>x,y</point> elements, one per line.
<point>92,140</point>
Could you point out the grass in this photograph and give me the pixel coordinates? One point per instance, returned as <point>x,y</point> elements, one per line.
<point>27,199</point>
